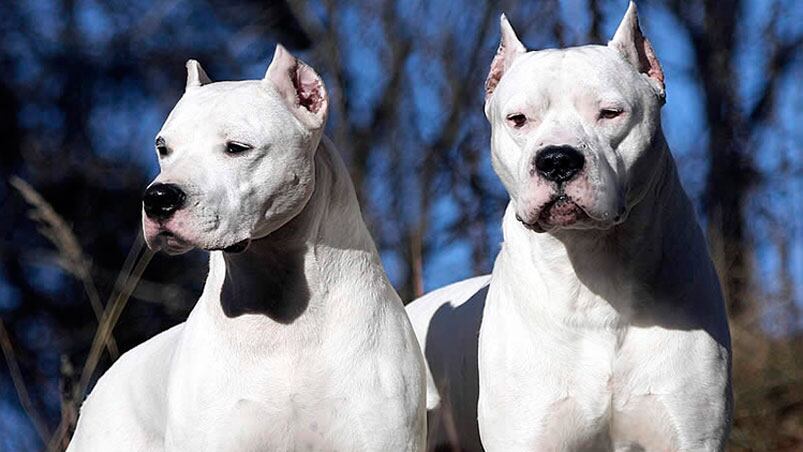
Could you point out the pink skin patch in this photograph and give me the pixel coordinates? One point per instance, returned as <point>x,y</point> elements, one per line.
<point>532,199</point>
<point>308,87</point>
<point>175,237</point>
<point>165,235</point>
<point>561,212</point>
<point>495,74</point>
<point>546,208</point>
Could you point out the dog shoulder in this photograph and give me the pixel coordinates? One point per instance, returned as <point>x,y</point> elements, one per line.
<point>455,295</point>
<point>127,405</point>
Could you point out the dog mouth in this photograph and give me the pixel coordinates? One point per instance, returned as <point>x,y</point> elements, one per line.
<point>172,243</point>
<point>560,212</point>
<point>236,248</point>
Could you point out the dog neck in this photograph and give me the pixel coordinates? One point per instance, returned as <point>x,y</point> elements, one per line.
<point>288,278</point>
<point>651,256</point>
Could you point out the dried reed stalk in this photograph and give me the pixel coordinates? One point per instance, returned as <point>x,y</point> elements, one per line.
<point>127,281</point>
<point>71,254</point>
<point>109,319</point>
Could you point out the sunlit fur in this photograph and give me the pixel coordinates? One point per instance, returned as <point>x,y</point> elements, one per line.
<point>608,333</point>
<point>297,343</point>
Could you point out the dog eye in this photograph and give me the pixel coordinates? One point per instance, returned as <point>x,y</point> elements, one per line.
<point>609,113</point>
<point>517,119</point>
<point>233,147</point>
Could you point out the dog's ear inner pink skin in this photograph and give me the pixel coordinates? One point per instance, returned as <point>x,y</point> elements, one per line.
<point>637,49</point>
<point>509,49</point>
<point>300,86</point>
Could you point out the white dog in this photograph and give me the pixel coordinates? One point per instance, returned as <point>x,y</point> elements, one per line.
<point>299,342</point>
<point>603,327</point>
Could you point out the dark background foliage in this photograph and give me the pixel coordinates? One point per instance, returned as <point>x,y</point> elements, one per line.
<point>87,83</point>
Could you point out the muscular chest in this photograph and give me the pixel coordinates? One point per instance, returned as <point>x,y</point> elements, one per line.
<point>285,398</point>
<point>611,386</point>
<point>262,394</point>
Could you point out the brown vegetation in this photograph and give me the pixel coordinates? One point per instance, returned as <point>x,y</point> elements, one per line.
<point>425,185</point>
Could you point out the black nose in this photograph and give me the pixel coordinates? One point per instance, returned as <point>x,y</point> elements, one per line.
<point>559,163</point>
<point>161,200</point>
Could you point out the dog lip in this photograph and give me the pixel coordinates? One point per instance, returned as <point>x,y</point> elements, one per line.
<point>536,227</point>
<point>236,248</point>
<point>171,242</point>
<point>166,234</point>
<point>562,201</point>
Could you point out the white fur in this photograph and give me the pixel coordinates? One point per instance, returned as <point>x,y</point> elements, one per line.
<point>604,332</point>
<point>297,343</point>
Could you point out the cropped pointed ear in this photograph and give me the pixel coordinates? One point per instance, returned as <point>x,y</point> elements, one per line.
<point>195,75</point>
<point>300,87</point>
<point>509,49</point>
<point>637,49</point>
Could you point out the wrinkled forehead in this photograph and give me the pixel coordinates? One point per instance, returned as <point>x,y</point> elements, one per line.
<point>242,108</point>
<point>589,72</point>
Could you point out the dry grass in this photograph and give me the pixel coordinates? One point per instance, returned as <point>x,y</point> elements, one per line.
<point>108,321</point>
<point>768,391</point>
<point>71,255</point>
<point>72,259</point>
<point>768,373</point>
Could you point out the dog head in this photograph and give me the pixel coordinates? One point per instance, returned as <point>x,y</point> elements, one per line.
<point>236,158</point>
<point>573,129</point>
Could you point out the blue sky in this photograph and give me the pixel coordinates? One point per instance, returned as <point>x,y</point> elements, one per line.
<point>132,117</point>
<point>683,118</point>
<point>114,130</point>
